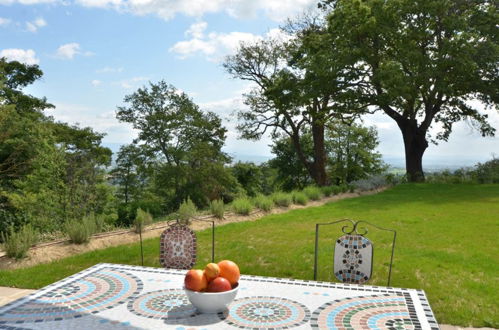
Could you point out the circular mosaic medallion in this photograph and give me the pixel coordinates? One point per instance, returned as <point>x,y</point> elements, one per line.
<point>388,311</point>
<point>98,291</point>
<point>162,304</point>
<point>266,312</point>
<point>177,247</point>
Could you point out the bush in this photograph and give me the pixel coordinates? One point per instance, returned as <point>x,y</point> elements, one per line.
<point>300,198</point>
<point>313,192</point>
<point>263,202</point>
<point>242,206</point>
<point>17,244</point>
<point>373,182</point>
<point>327,190</point>
<point>79,232</point>
<point>282,199</point>
<point>142,219</point>
<point>187,211</point>
<point>217,208</point>
<point>488,172</point>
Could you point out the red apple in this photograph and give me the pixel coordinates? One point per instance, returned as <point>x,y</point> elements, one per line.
<point>195,280</point>
<point>219,284</point>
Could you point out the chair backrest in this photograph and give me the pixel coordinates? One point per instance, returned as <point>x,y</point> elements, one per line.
<point>353,259</point>
<point>177,247</point>
<point>353,252</point>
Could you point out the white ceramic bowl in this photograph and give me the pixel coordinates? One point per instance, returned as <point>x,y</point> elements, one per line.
<point>211,302</point>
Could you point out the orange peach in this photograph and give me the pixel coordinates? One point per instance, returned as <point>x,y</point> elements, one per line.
<point>211,271</point>
<point>195,280</point>
<point>230,271</point>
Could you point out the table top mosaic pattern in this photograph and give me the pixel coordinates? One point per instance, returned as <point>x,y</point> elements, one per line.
<point>109,296</point>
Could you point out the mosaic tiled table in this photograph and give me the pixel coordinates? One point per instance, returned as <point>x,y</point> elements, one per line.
<point>109,296</point>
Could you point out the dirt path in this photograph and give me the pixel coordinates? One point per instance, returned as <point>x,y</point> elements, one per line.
<point>51,251</point>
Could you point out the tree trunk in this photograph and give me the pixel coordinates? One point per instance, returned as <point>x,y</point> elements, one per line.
<point>415,145</point>
<point>319,155</point>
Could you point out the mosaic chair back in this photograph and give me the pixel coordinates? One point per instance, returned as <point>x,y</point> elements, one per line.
<point>178,246</point>
<point>353,252</point>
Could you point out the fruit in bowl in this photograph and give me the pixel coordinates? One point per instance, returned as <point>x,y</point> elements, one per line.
<point>211,290</point>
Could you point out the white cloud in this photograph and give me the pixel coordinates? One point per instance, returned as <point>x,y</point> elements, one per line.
<point>132,82</point>
<point>33,26</point>
<point>109,69</point>
<point>27,56</point>
<point>4,21</point>
<point>214,45</point>
<point>168,9</point>
<point>196,30</point>
<point>96,82</point>
<point>68,51</point>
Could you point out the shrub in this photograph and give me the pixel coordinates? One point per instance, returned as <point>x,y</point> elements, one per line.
<point>313,192</point>
<point>242,206</point>
<point>282,199</point>
<point>263,202</point>
<point>373,182</point>
<point>217,208</point>
<point>300,198</point>
<point>17,244</point>
<point>79,232</point>
<point>327,190</point>
<point>142,219</point>
<point>187,211</point>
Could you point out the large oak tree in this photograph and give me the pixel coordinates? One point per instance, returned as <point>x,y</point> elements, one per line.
<point>423,63</point>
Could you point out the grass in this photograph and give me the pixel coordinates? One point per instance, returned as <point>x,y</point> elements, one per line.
<point>242,206</point>
<point>446,245</point>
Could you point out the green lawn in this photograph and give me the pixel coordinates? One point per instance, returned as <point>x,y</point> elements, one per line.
<point>447,245</point>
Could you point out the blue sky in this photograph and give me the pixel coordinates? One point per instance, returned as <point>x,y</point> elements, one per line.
<point>94,52</point>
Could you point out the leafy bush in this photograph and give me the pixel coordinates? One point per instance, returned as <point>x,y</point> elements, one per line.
<point>488,172</point>
<point>187,211</point>
<point>142,219</point>
<point>263,202</point>
<point>242,206</point>
<point>217,208</point>
<point>17,244</point>
<point>327,190</point>
<point>282,199</point>
<point>313,192</point>
<point>299,197</point>
<point>373,182</point>
<point>11,218</point>
<point>79,232</point>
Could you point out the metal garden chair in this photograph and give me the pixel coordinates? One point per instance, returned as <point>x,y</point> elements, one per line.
<point>178,245</point>
<point>353,252</point>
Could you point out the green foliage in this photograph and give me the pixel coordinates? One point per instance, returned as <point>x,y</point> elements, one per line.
<point>242,206</point>
<point>184,144</point>
<point>422,63</point>
<point>282,199</point>
<point>79,232</point>
<point>487,172</point>
<point>142,220</point>
<point>313,192</point>
<point>327,191</point>
<point>350,155</point>
<point>17,243</point>
<point>249,176</point>
<point>264,203</point>
<point>217,208</point>
<point>187,211</point>
<point>300,198</point>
